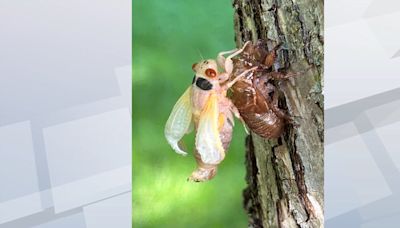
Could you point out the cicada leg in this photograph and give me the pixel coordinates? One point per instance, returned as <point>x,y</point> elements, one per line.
<point>226,63</point>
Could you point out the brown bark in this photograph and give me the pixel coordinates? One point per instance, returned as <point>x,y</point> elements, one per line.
<point>285,176</point>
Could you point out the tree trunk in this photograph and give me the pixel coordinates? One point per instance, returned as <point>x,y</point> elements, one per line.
<point>285,175</point>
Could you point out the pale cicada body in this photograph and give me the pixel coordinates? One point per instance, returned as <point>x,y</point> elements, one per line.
<point>206,106</point>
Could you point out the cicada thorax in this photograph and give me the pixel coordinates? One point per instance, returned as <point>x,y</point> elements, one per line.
<point>199,99</point>
<point>253,102</point>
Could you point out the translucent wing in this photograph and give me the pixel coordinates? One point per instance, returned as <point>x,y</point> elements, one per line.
<point>179,121</point>
<point>208,142</point>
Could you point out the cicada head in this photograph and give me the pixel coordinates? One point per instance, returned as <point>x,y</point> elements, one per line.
<point>206,68</point>
<point>207,72</point>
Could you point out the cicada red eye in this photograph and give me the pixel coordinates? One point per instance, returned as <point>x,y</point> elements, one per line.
<point>211,73</point>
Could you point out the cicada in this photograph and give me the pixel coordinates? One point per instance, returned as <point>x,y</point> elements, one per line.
<point>205,106</point>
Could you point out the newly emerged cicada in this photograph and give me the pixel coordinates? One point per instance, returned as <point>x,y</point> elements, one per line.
<point>206,106</point>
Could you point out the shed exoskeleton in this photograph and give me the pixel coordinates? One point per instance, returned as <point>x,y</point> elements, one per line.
<point>255,96</point>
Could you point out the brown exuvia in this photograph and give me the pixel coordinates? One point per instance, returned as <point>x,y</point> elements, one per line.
<point>255,96</point>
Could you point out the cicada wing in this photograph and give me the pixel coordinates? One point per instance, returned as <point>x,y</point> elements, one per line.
<point>208,142</point>
<point>180,121</point>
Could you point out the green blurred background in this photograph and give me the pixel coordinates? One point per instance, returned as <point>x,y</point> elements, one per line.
<point>167,38</point>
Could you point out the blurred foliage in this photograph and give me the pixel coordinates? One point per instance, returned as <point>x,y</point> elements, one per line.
<point>167,39</point>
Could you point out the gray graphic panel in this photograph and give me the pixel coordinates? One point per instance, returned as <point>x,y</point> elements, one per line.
<point>362,182</point>
<point>19,183</point>
<point>65,119</point>
<point>113,212</point>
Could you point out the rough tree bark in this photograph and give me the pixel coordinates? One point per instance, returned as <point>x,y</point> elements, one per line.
<point>285,176</point>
